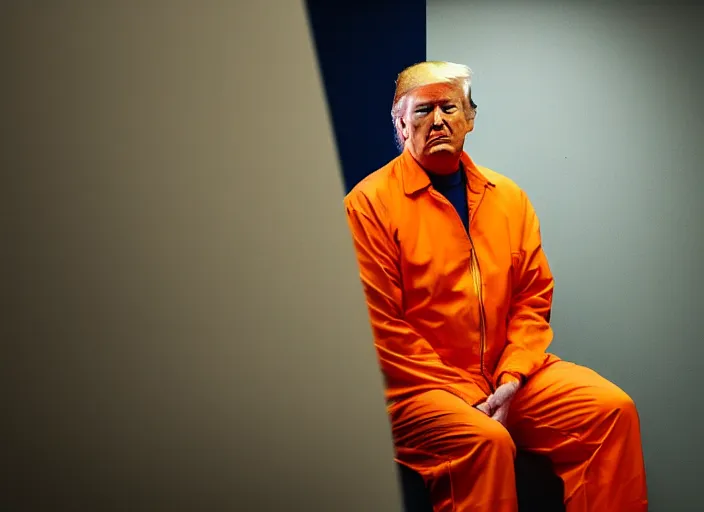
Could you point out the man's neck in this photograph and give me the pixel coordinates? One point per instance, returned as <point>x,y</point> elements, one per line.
<point>444,172</point>
<point>444,166</point>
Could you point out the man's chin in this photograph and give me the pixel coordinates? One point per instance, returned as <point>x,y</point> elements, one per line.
<point>443,149</point>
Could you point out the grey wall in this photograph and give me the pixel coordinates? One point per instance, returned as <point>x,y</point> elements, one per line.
<point>597,112</point>
<point>183,326</point>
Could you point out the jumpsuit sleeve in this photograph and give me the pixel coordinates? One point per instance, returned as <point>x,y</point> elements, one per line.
<point>408,361</point>
<point>529,333</point>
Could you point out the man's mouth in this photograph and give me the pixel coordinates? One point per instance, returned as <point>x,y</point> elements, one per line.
<point>439,138</point>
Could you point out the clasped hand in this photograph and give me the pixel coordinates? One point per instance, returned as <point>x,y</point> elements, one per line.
<point>497,404</point>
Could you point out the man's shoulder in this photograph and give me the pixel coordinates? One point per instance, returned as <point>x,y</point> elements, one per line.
<point>499,180</point>
<point>375,189</point>
<point>506,188</point>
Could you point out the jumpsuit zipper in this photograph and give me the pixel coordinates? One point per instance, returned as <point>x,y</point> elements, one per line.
<point>476,274</point>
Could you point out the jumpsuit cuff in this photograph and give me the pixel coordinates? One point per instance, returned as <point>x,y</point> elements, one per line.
<point>507,377</point>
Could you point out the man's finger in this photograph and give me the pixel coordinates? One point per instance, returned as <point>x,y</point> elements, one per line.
<point>485,408</point>
<point>501,413</point>
<point>497,399</point>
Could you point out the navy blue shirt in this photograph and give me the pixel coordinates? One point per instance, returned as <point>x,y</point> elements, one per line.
<point>454,188</point>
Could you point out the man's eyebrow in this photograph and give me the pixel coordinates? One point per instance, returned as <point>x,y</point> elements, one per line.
<point>430,103</point>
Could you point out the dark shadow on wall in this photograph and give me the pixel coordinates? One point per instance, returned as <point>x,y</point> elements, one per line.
<point>361,48</point>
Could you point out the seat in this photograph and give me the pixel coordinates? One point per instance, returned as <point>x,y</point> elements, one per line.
<point>539,489</point>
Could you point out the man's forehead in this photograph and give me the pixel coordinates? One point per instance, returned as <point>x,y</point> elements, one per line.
<point>433,93</point>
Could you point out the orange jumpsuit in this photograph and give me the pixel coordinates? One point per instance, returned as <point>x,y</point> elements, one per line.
<point>454,315</point>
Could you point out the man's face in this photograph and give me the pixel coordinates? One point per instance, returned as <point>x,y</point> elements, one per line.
<point>435,125</point>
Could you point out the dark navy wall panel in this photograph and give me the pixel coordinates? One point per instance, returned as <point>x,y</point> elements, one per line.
<point>361,47</point>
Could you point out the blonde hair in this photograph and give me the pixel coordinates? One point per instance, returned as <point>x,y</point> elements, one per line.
<point>427,73</point>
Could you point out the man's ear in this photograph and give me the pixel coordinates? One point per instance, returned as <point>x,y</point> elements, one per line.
<point>403,128</point>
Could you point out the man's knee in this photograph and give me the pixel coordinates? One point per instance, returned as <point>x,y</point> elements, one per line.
<point>440,423</point>
<point>618,406</point>
<point>476,432</point>
<point>496,439</point>
<point>483,441</point>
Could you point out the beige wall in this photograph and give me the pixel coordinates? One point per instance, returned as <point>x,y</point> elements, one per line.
<point>183,324</point>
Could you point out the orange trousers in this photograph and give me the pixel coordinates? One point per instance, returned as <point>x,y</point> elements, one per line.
<point>586,425</point>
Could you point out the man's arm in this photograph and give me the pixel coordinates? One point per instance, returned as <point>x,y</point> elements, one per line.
<point>407,360</point>
<point>529,332</point>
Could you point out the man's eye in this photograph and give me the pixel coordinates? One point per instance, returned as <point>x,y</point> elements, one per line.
<point>423,110</point>
<point>449,109</point>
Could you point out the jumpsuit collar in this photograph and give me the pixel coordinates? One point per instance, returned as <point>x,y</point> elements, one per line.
<point>415,178</point>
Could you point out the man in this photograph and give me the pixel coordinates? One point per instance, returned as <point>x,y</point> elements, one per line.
<point>459,293</point>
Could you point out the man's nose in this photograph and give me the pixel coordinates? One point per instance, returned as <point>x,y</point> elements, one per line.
<point>437,117</point>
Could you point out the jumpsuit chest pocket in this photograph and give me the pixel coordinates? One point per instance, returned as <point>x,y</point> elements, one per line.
<point>434,262</point>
